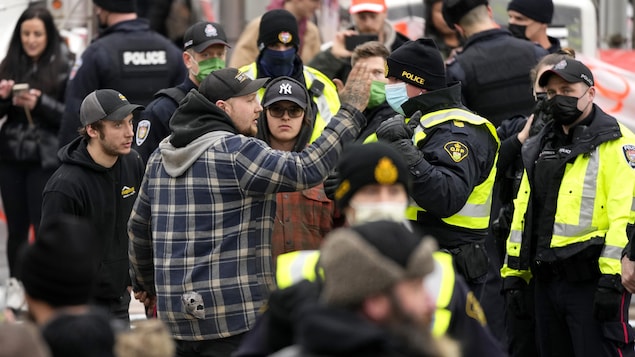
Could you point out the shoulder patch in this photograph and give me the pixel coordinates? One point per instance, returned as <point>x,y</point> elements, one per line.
<point>142,132</point>
<point>457,150</point>
<point>629,154</point>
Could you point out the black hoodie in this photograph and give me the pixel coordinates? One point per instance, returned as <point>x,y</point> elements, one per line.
<point>105,197</point>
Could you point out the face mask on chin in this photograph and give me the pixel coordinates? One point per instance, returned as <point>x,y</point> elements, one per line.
<point>378,211</point>
<point>564,109</point>
<point>396,95</point>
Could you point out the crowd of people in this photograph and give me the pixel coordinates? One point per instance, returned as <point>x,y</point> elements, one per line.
<point>459,194</point>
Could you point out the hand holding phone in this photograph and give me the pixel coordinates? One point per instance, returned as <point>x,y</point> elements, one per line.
<point>19,88</point>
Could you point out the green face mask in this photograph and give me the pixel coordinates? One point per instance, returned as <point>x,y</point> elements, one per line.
<point>208,66</point>
<point>377,94</point>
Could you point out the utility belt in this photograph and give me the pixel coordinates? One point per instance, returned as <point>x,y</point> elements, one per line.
<point>471,260</point>
<point>580,267</point>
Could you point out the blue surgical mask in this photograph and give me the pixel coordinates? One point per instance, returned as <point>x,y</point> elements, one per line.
<point>396,95</point>
<point>277,63</point>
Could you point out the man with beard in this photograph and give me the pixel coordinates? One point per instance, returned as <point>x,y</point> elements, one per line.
<point>373,302</point>
<point>127,56</point>
<point>99,179</point>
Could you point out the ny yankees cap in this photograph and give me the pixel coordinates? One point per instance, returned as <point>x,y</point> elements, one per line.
<point>105,104</point>
<point>203,34</point>
<point>285,88</point>
<point>229,83</point>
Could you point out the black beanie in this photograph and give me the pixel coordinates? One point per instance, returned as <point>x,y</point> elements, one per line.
<point>87,335</point>
<point>278,25</point>
<point>537,10</point>
<point>454,10</point>
<point>118,6</point>
<point>418,63</point>
<point>367,164</point>
<point>60,267</point>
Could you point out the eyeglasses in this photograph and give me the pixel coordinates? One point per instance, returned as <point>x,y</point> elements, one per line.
<point>278,112</point>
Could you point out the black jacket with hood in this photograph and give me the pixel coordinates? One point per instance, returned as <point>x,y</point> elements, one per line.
<point>105,197</point>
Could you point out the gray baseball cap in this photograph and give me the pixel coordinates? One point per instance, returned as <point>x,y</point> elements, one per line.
<point>105,104</point>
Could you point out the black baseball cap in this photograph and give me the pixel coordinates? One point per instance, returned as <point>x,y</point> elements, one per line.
<point>285,88</point>
<point>229,83</point>
<point>105,104</point>
<point>203,34</point>
<point>571,70</point>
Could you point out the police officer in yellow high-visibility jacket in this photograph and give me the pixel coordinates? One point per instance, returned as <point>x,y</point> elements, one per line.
<point>278,42</point>
<point>374,184</point>
<point>452,160</point>
<point>572,219</point>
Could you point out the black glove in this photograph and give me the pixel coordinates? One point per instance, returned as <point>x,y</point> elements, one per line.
<point>411,153</point>
<point>516,301</point>
<point>606,305</point>
<point>396,128</point>
<point>331,183</point>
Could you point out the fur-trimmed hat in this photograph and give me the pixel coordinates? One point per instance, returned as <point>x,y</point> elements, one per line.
<point>419,63</point>
<point>370,258</point>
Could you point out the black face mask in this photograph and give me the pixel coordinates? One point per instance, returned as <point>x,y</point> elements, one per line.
<point>564,109</point>
<point>518,31</point>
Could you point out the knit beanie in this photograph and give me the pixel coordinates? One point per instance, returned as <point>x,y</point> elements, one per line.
<point>118,6</point>
<point>418,63</point>
<point>278,26</point>
<point>537,10</point>
<point>370,258</point>
<point>80,335</point>
<point>60,267</point>
<point>367,164</point>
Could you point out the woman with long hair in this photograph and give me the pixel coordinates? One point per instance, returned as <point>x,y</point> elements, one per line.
<point>33,79</point>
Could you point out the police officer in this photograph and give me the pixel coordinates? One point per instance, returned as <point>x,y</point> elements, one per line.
<point>127,56</point>
<point>376,188</point>
<point>572,219</point>
<point>205,49</point>
<point>529,19</point>
<point>493,66</point>
<point>452,159</point>
<point>278,42</point>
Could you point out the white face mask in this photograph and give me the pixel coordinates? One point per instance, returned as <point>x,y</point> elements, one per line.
<point>378,211</point>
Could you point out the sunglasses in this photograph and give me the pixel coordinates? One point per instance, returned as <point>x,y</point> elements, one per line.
<point>293,112</point>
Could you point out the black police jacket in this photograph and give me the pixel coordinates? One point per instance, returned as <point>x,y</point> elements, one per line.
<point>127,57</point>
<point>154,121</point>
<point>493,69</point>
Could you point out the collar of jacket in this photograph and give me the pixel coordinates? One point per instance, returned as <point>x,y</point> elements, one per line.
<point>445,98</point>
<point>137,24</point>
<point>197,116</point>
<point>486,35</point>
